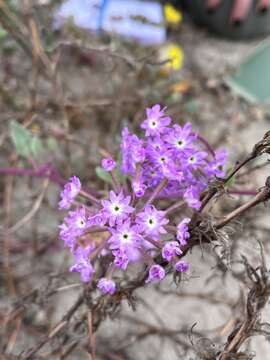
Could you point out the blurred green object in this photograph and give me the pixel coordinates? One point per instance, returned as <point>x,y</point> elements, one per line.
<point>27,145</point>
<point>3,34</point>
<point>252,79</point>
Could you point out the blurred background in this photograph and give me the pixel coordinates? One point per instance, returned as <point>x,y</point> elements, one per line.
<point>73,73</point>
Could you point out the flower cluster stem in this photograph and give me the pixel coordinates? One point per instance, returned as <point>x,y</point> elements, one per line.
<point>175,206</point>
<point>153,242</point>
<point>47,171</point>
<point>116,184</point>
<point>157,190</point>
<point>206,144</point>
<point>90,197</point>
<point>213,190</point>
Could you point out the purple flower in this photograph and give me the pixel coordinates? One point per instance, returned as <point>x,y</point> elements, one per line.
<point>71,190</point>
<point>221,156</point>
<point>171,249</point>
<point>192,198</point>
<point>155,143</point>
<point>127,165</point>
<point>117,208</point>
<point>168,156</point>
<point>155,123</point>
<point>76,221</point>
<point>138,188</point>
<point>156,273</point>
<point>67,236</point>
<point>138,151</point>
<point>151,175</point>
<point>121,259</point>
<point>83,264</point>
<point>128,240</point>
<point>108,164</point>
<point>215,167</point>
<point>152,221</point>
<point>106,286</point>
<point>98,219</point>
<point>194,159</point>
<point>163,160</point>
<point>181,266</point>
<point>125,235</point>
<point>181,138</point>
<point>75,225</point>
<point>182,231</point>
<point>132,151</point>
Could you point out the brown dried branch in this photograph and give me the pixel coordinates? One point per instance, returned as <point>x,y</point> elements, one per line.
<point>262,147</point>
<point>55,331</point>
<point>261,197</point>
<point>35,207</point>
<point>257,298</point>
<point>14,26</point>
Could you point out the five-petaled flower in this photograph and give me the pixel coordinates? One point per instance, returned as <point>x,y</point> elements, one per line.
<point>128,239</point>
<point>152,221</point>
<point>117,208</point>
<point>181,139</point>
<point>156,122</point>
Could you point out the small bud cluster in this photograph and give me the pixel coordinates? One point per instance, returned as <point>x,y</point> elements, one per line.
<point>169,162</point>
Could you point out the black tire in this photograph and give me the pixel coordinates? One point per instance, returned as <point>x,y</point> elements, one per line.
<point>256,24</point>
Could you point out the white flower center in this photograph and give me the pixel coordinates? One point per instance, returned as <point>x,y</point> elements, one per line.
<point>125,237</point>
<point>192,159</point>
<point>73,190</point>
<point>180,143</point>
<point>162,159</point>
<point>116,209</point>
<point>153,123</point>
<point>151,222</point>
<point>80,222</point>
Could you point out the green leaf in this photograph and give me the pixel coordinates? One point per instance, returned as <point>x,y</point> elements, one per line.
<point>26,144</point>
<point>21,138</point>
<point>36,147</point>
<point>52,144</point>
<point>3,34</point>
<point>174,97</point>
<point>103,175</point>
<point>191,106</point>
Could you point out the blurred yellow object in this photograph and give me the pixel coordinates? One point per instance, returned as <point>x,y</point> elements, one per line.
<point>174,56</point>
<point>172,15</point>
<point>35,129</point>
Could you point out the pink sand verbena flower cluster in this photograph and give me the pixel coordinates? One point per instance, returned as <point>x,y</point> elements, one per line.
<point>168,162</point>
